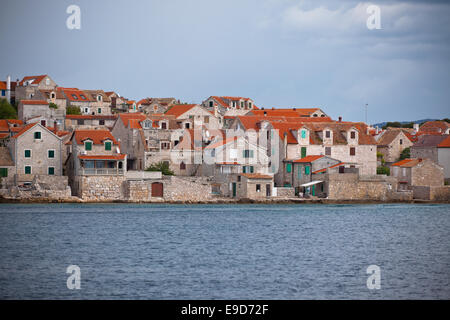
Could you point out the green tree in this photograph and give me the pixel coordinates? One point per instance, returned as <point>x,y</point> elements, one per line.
<point>53,105</point>
<point>161,166</point>
<point>73,110</point>
<point>7,111</point>
<point>406,154</point>
<point>408,125</point>
<point>395,124</point>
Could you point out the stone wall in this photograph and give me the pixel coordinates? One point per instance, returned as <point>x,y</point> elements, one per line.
<point>187,189</point>
<point>99,188</point>
<point>285,192</point>
<point>441,193</point>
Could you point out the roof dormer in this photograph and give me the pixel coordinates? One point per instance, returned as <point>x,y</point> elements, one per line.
<point>352,136</point>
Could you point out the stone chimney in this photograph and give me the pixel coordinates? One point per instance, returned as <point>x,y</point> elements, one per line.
<point>416,127</point>
<point>340,119</point>
<point>8,88</point>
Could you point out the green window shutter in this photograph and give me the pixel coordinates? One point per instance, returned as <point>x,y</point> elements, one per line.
<point>51,171</point>
<point>27,170</point>
<point>288,167</point>
<point>27,153</point>
<point>51,153</point>
<point>108,146</point>
<point>303,152</point>
<point>88,145</point>
<point>252,169</point>
<point>303,134</point>
<point>37,135</point>
<point>3,172</point>
<point>244,169</point>
<point>307,169</point>
<point>99,110</point>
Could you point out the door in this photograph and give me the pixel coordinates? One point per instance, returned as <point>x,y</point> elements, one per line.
<point>268,188</point>
<point>157,189</point>
<point>234,189</point>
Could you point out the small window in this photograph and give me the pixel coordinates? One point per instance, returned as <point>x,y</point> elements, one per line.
<point>37,135</point>
<point>27,153</point>
<point>99,110</point>
<point>88,145</point>
<point>327,134</point>
<point>182,166</point>
<point>248,154</point>
<point>74,97</point>
<point>352,151</point>
<point>51,171</point>
<point>288,167</point>
<point>108,145</point>
<point>43,123</point>
<point>80,121</point>
<point>401,141</point>
<point>163,125</point>
<point>51,153</point>
<point>353,135</point>
<point>303,134</point>
<point>258,188</point>
<point>328,151</point>
<point>101,122</point>
<point>27,169</point>
<point>211,104</point>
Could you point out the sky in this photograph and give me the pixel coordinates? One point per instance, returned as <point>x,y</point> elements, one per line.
<point>280,53</point>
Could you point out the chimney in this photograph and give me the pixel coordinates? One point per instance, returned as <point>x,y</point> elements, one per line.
<point>377,131</point>
<point>340,119</point>
<point>55,126</point>
<point>416,127</point>
<point>265,113</point>
<point>262,108</point>
<point>295,109</point>
<point>8,88</point>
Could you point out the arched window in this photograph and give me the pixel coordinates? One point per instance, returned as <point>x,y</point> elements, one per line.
<point>182,166</point>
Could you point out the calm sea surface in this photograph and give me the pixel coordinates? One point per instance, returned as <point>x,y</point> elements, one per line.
<point>224,251</point>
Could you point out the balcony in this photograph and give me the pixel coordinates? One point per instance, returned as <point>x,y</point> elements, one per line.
<point>101,171</point>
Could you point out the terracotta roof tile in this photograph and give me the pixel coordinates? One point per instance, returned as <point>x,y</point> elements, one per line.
<point>97,136</point>
<point>179,109</point>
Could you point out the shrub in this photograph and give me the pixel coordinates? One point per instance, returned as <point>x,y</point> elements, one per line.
<point>161,166</point>
<point>7,111</point>
<point>406,154</point>
<point>383,170</point>
<point>53,105</point>
<point>73,110</point>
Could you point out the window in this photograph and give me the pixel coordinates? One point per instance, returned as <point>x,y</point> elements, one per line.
<point>99,98</point>
<point>51,153</point>
<point>43,123</point>
<point>82,96</point>
<point>3,172</point>
<point>88,145</point>
<point>352,135</point>
<point>47,81</point>
<point>352,151</point>
<point>211,104</point>
<point>27,153</point>
<point>328,151</point>
<point>242,104</point>
<point>187,125</point>
<point>51,171</point>
<point>327,134</point>
<point>303,152</point>
<point>74,97</point>
<point>182,166</point>
<point>37,135</point>
<point>52,95</point>
<point>99,110</point>
<point>258,188</point>
<point>307,170</point>
<point>163,125</point>
<point>249,105</point>
<point>248,169</point>
<point>101,122</point>
<point>288,167</point>
<point>108,145</point>
<point>80,122</point>
<point>401,141</point>
<point>3,93</point>
<point>27,169</point>
<point>248,154</point>
<point>303,134</point>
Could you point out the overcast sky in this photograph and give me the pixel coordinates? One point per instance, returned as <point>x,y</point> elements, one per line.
<point>281,53</point>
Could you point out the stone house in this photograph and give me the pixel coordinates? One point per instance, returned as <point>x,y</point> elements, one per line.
<point>443,150</point>
<point>7,167</point>
<point>74,122</point>
<point>391,142</point>
<point>93,153</point>
<point>90,102</point>
<point>118,103</point>
<point>36,150</point>
<point>200,116</point>
<point>102,104</point>
<point>252,186</point>
<point>155,105</point>
<point>228,106</point>
<point>29,87</point>
<point>298,172</point>
<point>435,127</point>
<point>417,172</point>
<point>32,109</point>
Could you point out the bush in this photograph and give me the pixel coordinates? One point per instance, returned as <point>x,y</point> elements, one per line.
<point>161,166</point>
<point>7,111</point>
<point>383,170</point>
<point>73,110</point>
<point>53,105</point>
<point>406,154</point>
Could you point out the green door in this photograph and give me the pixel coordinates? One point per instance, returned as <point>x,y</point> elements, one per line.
<point>303,152</point>
<point>234,189</point>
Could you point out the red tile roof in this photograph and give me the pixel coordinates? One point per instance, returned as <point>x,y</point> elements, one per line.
<point>97,136</point>
<point>102,157</point>
<point>37,79</point>
<point>132,120</point>
<point>434,126</point>
<point>294,112</point>
<point>88,116</point>
<point>34,102</point>
<point>24,129</point>
<point>4,126</point>
<point>445,143</point>
<point>307,159</point>
<point>76,95</point>
<point>325,169</point>
<point>179,109</point>
<point>407,163</point>
<point>221,142</point>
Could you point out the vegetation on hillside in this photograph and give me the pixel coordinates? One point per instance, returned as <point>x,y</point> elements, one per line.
<point>7,111</point>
